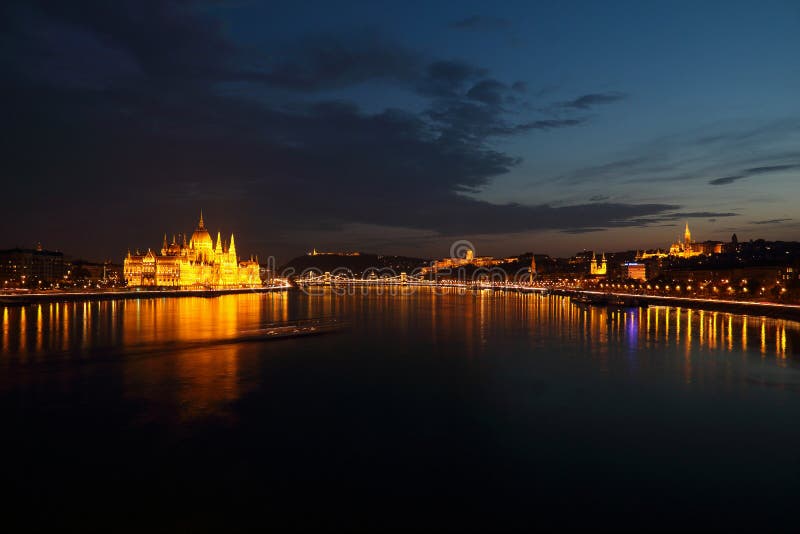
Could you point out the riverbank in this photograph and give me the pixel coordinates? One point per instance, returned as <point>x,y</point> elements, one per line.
<point>25,298</point>
<point>765,309</point>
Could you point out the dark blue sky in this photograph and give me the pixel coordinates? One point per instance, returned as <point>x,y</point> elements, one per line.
<point>399,127</point>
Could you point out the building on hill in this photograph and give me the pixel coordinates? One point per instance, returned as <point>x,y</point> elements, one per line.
<point>469,260</point>
<point>315,252</point>
<point>197,263</point>
<point>686,248</point>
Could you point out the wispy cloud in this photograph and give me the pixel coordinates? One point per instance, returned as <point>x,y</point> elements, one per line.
<point>754,171</point>
<point>726,179</point>
<point>684,158</point>
<point>578,231</point>
<point>593,99</point>
<point>771,221</point>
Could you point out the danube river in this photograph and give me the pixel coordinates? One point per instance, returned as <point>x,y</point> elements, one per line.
<point>462,411</point>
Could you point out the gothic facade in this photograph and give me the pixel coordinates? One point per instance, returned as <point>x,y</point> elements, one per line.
<point>198,263</point>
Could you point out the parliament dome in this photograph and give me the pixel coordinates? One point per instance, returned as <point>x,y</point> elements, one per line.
<point>201,239</point>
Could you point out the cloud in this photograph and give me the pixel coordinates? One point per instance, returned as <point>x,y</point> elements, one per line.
<point>695,215</point>
<point>671,215</point>
<point>544,124</point>
<point>685,157</point>
<point>754,171</point>
<point>578,231</point>
<point>488,91</point>
<point>332,61</point>
<point>592,100</point>
<point>474,122</point>
<point>739,135</point>
<point>481,23</point>
<point>771,221</point>
<point>726,180</point>
<point>188,46</point>
<point>614,171</point>
<point>160,140</point>
<point>772,168</point>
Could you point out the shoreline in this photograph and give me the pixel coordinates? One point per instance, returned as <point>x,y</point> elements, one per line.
<point>23,299</point>
<point>789,312</point>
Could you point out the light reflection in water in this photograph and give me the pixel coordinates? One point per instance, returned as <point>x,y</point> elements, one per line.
<point>702,325</point>
<point>6,327</point>
<point>783,340</point>
<point>471,316</point>
<point>39,328</point>
<point>23,330</point>
<point>745,320</point>
<point>200,379</point>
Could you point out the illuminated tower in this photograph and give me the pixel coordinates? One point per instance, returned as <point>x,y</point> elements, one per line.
<point>201,243</point>
<point>687,235</point>
<point>533,268</point>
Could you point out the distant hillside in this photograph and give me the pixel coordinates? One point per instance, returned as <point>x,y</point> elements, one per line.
<point>356,264</point>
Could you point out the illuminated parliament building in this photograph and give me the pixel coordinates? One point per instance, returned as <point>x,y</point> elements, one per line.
<point>198,263</point>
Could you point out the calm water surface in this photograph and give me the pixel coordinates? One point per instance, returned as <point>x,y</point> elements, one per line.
<point>462,411</point>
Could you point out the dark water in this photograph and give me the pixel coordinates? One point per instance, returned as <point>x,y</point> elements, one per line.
<point>477,411</point>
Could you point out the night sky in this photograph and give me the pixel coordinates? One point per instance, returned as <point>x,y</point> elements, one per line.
<point>398,127</point>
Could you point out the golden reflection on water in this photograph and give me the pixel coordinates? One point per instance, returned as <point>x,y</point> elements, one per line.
<point>469,316</point>
<point>198,380</point>
<point>201,378</point>
<point>191,383</point>
<point>140,332</point>
<point>23,330</point>
<point>744,331</point>
<point>6,327</point>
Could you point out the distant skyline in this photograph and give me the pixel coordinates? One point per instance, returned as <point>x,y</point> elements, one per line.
<point>399,128</point>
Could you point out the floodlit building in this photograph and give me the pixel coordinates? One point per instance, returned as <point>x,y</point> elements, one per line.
<point>197,263</point>
<point>687,248</point>
<point>635,271</point>
<point>598,267</point>
<point>469,259</point>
